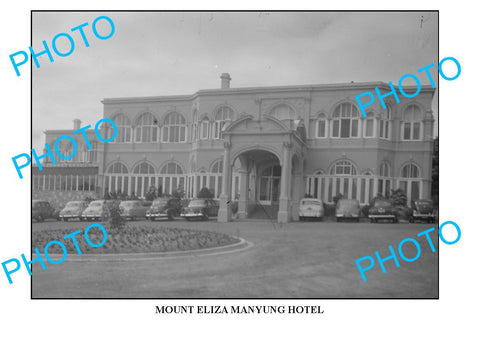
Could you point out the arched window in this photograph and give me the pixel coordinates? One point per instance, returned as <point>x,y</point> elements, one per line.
<point>345,121</point>
<point>385,170</point>
<point>412,123</point>
<point>385,119</point>
<point>222,115</point>
<point>146,129</point>
<point>171,168</point>
<point>116,178</point>
<point>343,168</point>
<point>384,182</point>
<point>410,182</point>
<point>143,178</point>
<point>322,126</point>
<point>124,129</point>
<point>117,168</point>
<point>369,125</point>
<point>282,112</point>
<point>204,128</point>
<point>171,178</point>
<point>174,128</point>
<point>217,167</point>
<point>410,171</point>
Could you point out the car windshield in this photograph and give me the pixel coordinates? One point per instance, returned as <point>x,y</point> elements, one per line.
<point>128,204</point>
<point>96,204</point>
<point>196,203</point>
<point>382,204</point>
<point>311,202</point>
<point>159,203</point>
<point>73,204</point>
<point>424,204</point>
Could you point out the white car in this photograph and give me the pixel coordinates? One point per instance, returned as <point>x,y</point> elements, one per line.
<point>311,208</point>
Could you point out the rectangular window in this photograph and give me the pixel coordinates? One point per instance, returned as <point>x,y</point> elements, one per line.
<point>354,128</point>
<point>165,134</point>
<point>416,131</point>
<point>406,131</point>
<point>321,129</point>
<point>386,129</point>
<point>336,128</point>
<point>204,130</point>
<point>369,128</point>
<point>345,128</point>
<point>381,129</point>
<point>183,134</point>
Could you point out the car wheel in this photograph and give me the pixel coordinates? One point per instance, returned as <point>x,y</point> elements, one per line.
<point>338,219</point>
<point>152,218</point>
<point>300,218</point>
<point>357,219</point>
<point>187,218</point>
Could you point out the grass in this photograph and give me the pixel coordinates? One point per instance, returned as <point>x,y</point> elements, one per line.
<point>134,239</point>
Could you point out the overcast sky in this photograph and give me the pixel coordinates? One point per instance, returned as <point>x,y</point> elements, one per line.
<point>152,54</point>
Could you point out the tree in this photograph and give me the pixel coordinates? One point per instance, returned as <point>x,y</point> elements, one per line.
<point>398,198</point>
<point>205,193</point>
<point>151,194</point>
<point>337,198</point>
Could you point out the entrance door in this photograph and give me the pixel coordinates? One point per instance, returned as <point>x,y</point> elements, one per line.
<point>270,185</point>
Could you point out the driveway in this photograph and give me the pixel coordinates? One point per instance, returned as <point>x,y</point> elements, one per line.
<point>296,260</point>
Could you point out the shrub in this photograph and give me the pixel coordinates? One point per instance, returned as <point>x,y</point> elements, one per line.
<point>205,193</point>
<point>114,215</point>
<point>329,209</point>
<point>151,194</point>
<point>234,207</point>
<point>398,198</point>
<point>337,198</point>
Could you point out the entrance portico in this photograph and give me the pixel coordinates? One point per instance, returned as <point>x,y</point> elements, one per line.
<point>271,169</point>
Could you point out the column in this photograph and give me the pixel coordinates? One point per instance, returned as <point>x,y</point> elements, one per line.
<point>225,212</point>
<point>243,201</point>
<point>283,214</point>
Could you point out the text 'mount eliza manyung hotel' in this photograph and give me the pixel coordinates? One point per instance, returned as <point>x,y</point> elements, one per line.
<point>256,145</point>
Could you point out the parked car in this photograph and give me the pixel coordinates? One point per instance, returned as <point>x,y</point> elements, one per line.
<point>347,209</point>
<point>97,210</point>
<point>200,208</point>
<point>42,210</point>
<point>311,208</point>
<point>382,209</point>
<point>73,209</point>
<point>423,210</point>
<point>133,209</point>
<point>164,207</point>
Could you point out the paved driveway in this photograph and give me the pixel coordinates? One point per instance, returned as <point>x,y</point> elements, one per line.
<point>296,260</point>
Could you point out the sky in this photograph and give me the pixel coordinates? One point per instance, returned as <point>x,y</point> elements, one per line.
<point>159,53</point>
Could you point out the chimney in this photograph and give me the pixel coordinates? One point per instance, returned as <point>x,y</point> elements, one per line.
<point>76,124</point>
<point>225,80</point>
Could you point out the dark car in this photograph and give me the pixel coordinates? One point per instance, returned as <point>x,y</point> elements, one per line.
<point>423,210</point>
<point>164,207</point>
<point>42,210</point>
<point>133,209</point>
<point>382,210</point>
<point>347,209</point>
<point>73,209</point>
<point>200,208</point>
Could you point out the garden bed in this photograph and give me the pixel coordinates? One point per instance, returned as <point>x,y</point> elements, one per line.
<point>138,239</point>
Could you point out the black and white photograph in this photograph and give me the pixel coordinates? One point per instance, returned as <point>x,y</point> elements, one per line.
<point>240,170</point>
<point>236,161</point>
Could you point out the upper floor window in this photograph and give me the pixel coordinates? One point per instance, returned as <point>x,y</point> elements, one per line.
<point>174,129</point>
<point>124,129</point>
<point>204,127</point>
<point>221,116</point>
<point>146,130</point>
<point>410,171</point>
<point>343,168</point>
<point>90,155</point>
<point>117,168</point>
<point>385,119</point>
<point>345,121</point>
<point>412,123</point>
<point>282,112</point>
<point>369,125</point>
<point>194,127</point>
<point>322,126</point>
